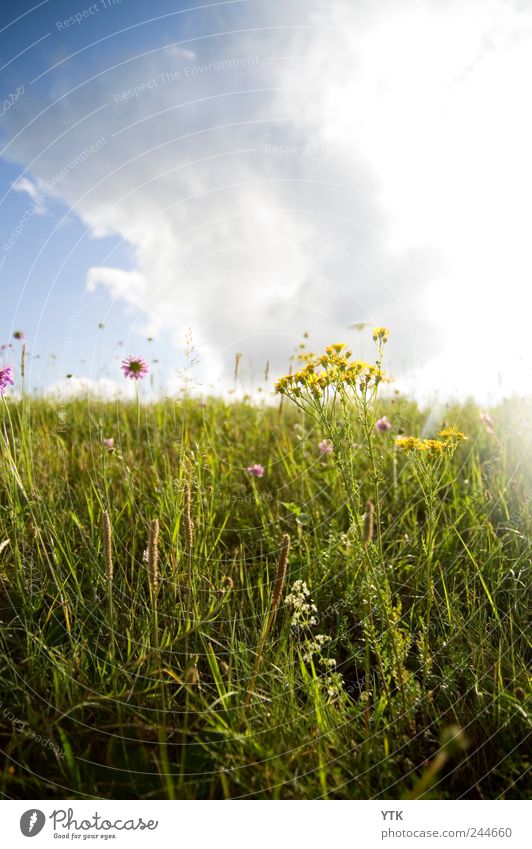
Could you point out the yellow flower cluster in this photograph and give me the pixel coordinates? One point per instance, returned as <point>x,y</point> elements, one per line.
<point>433,447</point>
<point>452,434</point>
<point>380,334</point>
<point>306,357</point>
<point>333,368</point>
<point>427,446</point>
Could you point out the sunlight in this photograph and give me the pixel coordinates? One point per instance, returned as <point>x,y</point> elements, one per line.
<point>433,124</point>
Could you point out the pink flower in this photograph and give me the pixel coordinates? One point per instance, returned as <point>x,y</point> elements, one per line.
<point>135,368</point>
<point>256,470</point>
<point>383,425</point>
<point>109,443</point>
<point>6,378</point>
<point>325,446</point>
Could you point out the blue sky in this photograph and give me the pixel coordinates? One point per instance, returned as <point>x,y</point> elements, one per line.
<point>41,293</point>
<point>255,171</point>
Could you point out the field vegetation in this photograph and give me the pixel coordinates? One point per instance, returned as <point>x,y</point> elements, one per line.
<point>323,595</point>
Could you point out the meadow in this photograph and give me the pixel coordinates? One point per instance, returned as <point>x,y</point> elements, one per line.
<point>235,599</point>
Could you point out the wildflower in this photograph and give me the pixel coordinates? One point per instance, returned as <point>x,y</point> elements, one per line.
<point>135,368</point>
<point>487,421</point>
<point>303,606</point>
<point>314,646</point>
<point>256,470</point>
<point>433,447</point>
<point>331,681</point>
<point>452,435</point>
<point>6,378</point>
<point>109,443</point>
<point>332,369</point>
<point>380,334</point>
<point>281,385</point>
<point>334,684</point>
<point>408,443</point>
<point>383,425</point>
<point>325,446</point>
<point>335,348</point>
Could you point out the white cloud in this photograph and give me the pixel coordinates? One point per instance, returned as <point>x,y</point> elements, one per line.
<point>373,164</point>
<point>120,283</point>
<point>26,186</point>
<point>36,195</point>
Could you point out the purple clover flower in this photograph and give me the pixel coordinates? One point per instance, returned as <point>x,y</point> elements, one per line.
<point>383,425</point>
<point>6,378</point>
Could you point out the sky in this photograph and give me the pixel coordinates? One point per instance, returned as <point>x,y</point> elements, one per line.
<point>241,173</point>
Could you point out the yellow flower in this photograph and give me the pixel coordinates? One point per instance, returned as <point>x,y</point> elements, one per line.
<point>335,349</point>
<point>380,334</point>
<point>423,446</point>
<point>334,368</point>
<point>408,443</point>
<point>433,446</point>
<point>452,434</point>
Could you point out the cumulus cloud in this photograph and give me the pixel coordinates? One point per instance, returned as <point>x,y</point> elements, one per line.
<point>26,187</point>
<point>349,165</point>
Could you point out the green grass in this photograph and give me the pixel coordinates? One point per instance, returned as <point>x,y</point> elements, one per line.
<point>143,694</point>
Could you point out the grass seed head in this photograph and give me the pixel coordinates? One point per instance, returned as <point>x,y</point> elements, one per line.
<point>189,524</point>
<point>280,575</point>
<point>369,523</point>
<point>107,546</point>
<point>153,554</point>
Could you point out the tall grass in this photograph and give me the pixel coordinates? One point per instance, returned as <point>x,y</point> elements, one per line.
<point>137,663</point>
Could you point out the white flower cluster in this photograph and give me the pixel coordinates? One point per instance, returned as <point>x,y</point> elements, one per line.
<point>315,645</point>
<point>303,606</point>
<point>303,618</point>
<point>334,684</point>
